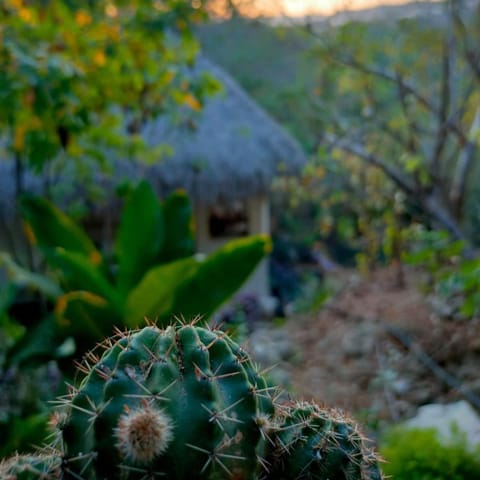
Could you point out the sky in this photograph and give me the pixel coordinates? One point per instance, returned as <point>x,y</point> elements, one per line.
<point>302,7</point>
<point>325,7</point>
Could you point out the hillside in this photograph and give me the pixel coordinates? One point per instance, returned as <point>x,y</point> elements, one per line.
<point>271,65</point>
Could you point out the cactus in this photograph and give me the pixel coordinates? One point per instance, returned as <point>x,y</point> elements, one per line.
<point>157,397</point>
<point>187,402</point>
<point>319,443</point>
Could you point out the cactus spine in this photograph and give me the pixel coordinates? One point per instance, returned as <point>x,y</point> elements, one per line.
<point>187,402</point>
<point>41,466</point>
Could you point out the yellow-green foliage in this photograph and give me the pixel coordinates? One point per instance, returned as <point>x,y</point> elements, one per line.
<point>414,454</point>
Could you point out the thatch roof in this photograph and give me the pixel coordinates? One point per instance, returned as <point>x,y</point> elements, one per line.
<point>234,150</point>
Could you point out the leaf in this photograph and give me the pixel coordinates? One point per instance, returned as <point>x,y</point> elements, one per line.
<point>80,274</point>
<point>140,236</point>
<point>179,235</point>
<point>24,278</point>
<point>51,228</point>
<point>86,297</point>
<point>219,276</point>
<point>86,318</point>
<point>154,296</point>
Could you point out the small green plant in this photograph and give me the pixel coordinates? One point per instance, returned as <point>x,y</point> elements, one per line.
<point>414,454</point>
<point>153,271</point>
<point>453,277</point>
<point>187,402</point>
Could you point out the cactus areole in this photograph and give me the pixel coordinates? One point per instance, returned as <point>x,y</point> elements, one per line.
<point>186,402</point>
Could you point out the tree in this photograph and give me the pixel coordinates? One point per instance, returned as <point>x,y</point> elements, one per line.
<point>405,102</point>
<point>79,78</point>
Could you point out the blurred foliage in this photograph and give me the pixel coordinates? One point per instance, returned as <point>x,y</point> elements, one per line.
<point>318,82</point>
<point>379,100</point>
<point>414,454</point>
<point>331,196</point>
<point>78,79</point>
<point>452,276</point>
<point>24,393</point>
<point>152,273</point>
<point>290,80</point>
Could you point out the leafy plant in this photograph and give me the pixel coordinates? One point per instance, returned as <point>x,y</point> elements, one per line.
<point>76,76</point>
<point>414,454</point>
<point>453,277</point>
<point>153,271</point>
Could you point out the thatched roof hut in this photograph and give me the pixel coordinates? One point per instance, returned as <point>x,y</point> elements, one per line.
<point>235,151</point>
<point>231,149</point>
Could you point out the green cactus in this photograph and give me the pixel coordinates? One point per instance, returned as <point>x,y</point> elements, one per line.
<point>187,402</point>
<point>158,397</point>
<point>319,443</point>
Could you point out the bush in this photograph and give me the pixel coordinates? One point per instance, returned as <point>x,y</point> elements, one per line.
<point>414,454</point>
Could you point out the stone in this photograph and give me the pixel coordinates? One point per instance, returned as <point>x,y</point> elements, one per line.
<point>269,345</point>
<point>360,340</point>
<point>459,415</point>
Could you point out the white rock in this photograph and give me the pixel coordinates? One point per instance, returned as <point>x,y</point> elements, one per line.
<point>443,417</point>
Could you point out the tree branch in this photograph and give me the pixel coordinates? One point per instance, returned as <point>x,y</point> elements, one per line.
<point>470,51</point>
<point>441,137</point>
<point>408,88</point>
<point>412,146</point>
<point>429,202</point>
<point>395,174</point>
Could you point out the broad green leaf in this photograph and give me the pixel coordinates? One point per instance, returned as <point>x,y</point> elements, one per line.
<point>179,235</point>
<point>87,318</point>
<point>140,236</point>
<point>79,273</point>
<point>78,295</point>
<point>25,278</point>
<point>219,276</point>
<point>50,228</point>
<point>153,298</point>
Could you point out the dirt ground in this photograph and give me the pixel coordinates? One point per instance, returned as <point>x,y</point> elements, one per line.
<point>349,357</point>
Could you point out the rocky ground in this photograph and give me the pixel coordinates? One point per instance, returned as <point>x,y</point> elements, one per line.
<point>351,353</point>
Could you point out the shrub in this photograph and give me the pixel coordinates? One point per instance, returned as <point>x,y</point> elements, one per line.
<point>415,454</point>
